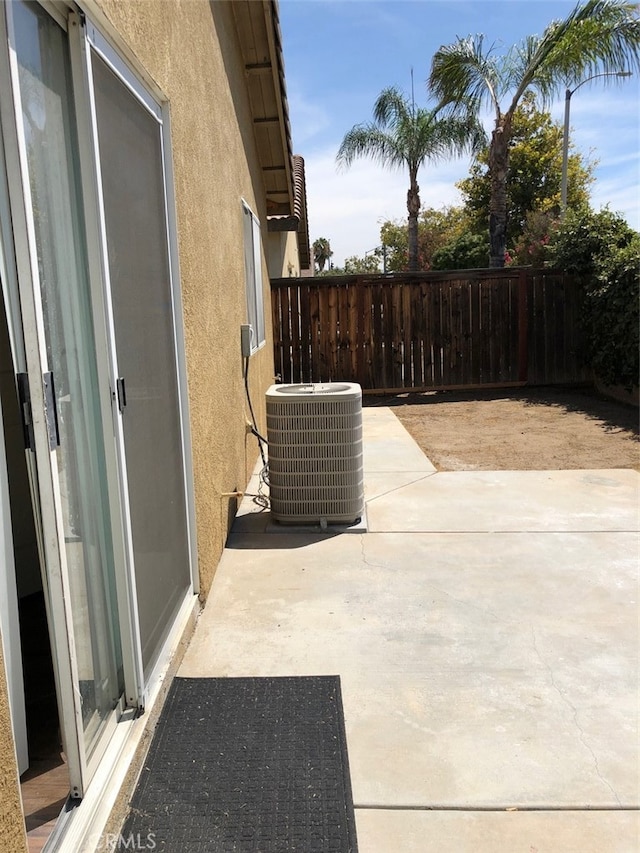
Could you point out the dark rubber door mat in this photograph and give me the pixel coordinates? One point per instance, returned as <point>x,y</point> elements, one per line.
<point>254,765</point>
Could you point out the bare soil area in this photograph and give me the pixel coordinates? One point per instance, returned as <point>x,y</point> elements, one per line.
<point>522,429</point>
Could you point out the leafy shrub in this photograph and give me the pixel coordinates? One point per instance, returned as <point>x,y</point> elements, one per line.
<point>605,252</point>
<point>469,251</point>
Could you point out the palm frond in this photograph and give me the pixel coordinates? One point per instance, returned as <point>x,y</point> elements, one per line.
<point>391,108</point>
<point>597,37</point>
<point>368,140</point>
<point>604,38</point>
<point>452,135</point>
<point>466,75</point>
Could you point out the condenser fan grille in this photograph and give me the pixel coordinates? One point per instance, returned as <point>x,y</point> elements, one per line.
<point>315,452</point>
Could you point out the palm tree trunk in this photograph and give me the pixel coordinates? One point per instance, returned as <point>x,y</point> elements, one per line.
<point>498,169</point>
<point>413,207</point>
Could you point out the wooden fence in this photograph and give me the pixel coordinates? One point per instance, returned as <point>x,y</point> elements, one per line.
<point>417,331</point>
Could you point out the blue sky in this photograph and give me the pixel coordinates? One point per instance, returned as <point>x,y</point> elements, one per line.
<point>340,54</point>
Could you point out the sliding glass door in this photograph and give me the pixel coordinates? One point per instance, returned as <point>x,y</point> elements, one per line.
<point>46,131</point>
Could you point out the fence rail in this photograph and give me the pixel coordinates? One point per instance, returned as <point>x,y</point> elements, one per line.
<point>468,328</point>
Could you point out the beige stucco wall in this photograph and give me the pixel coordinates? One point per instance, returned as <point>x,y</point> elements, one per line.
<point>190,49</point>
<point>12,831</point>
<point>282,254</point>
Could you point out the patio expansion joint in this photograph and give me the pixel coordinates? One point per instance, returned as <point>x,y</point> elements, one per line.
<point>477,807</point>
<point>502,531</point>
<point>581,732</point>
<point>419,479</point>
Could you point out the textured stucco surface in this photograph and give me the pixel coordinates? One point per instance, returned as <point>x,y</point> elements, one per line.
<point>12,831</point>
<point>190,50</point>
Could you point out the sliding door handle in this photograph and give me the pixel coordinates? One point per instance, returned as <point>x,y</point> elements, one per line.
<point>22,381</point>
<point>121,391</point>
<point>51,410</point>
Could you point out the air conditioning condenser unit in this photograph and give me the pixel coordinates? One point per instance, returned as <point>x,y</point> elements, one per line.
<point>314,433</point>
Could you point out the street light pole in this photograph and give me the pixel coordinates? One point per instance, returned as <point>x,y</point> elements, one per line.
<point>565,138</point>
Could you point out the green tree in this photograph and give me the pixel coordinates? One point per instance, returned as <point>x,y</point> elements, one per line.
<point>368,265</point>
<point>597,37</point>
<point>405,136</point>
<point>395,236</point>
<point>465,252</point>
<point>535,173</point>
<point>321,252</point>
<point>435,229</point>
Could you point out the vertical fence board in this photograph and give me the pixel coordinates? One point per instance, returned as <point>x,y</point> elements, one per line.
<point>305,333</point>
<point>386,337</point>
<point>539,343</point>
<point>418,332</point>
<point>496,333</point>
<point>314,309</point>
<point>396,337</point>
<point>375,324</point>
<point>354,321</point>
<point>294,326</point>
<point>277,334</point>
<point>365,349</point>
<point>436,331</point>
<point>474,331</point>
<point>455,352</point>
<point>523,328</point>
<point>285,319</point>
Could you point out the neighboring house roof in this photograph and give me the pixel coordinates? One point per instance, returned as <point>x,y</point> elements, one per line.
<point>298,220</point>
<point>300,209</point>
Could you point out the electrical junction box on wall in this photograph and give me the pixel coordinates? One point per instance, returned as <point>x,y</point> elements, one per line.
<point>246,340</point>
<point>314,433</point>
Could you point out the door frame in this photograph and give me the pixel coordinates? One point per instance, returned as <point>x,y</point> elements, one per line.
<point>9,622</point>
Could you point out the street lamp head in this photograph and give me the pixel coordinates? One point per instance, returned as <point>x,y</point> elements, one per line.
<point>625,73</point>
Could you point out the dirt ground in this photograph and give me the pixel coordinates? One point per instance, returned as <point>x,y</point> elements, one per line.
<point>522,429</point>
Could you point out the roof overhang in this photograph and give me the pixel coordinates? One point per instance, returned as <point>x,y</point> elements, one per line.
<point>258,26</point>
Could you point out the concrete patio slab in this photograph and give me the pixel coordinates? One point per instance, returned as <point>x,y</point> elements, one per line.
<point>388,446</point>
<point>482,669</point>
<point>476,671</point>
<point>511,500</point>
<point>488,832</point>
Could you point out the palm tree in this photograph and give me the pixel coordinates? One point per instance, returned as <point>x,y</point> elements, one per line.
<point>321,252</point>
<point>599,37</point>
<point>402,135</point>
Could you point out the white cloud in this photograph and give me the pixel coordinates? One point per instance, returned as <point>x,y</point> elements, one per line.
<point>619,198</point>
<point>348,207</point>
<point>310,119</point>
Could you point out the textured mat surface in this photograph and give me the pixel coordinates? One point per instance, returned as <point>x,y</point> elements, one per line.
<point>254,765</point>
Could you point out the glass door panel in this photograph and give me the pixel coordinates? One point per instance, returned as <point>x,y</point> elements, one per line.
<point>50,142</point>
<point>132,175</point>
